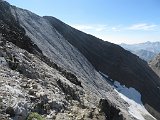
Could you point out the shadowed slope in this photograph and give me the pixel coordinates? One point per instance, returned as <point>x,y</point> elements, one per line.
<point>113,60</point>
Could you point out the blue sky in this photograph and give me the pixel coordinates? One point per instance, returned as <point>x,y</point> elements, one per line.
<point>117,21</point>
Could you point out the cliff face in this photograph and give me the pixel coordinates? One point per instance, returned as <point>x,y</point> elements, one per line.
<point>111,59</point>
<point>52,69</point>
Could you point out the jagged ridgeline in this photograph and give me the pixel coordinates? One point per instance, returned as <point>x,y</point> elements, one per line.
<point>49,70</point>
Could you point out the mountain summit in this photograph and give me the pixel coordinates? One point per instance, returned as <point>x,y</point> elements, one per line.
<point>50,70</point>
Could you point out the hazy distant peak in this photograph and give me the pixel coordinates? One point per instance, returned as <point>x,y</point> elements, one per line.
<point>146,51</point>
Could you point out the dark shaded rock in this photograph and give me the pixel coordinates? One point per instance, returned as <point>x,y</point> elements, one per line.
<point>40,108</point>
<point>35,86</point>
<point>10,111</point>
<point>68,75</point>
<point>42,105</point>
<point>71,77</point>
<point>27,71</point>
<point>31,92</point>
<point>110,110</point>
<point>69,91</point>
<point>12,62</point>
<point>13,32</point>
<point>58,107</point>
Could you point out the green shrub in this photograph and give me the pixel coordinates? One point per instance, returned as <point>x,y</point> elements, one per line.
<point>35,115</point>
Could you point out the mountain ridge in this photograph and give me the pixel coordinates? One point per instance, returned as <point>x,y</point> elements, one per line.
<point>81,64</point>
<point>57,75</point>
<point>114,61</point>
<point>147,50</point>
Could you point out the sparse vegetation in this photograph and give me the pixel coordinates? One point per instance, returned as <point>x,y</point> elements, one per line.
<point>33,116</point>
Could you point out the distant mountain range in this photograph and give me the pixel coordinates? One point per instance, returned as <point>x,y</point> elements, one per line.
<point>146,51</point>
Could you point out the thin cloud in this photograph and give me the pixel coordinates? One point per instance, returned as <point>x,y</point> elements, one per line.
<point>143,26</point>
<point>90,27</point>
<point>116,29</point>
<point>82,27</point>
<point>98,29</point>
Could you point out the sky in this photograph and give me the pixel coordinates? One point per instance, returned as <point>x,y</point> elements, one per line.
<point>116,21</point>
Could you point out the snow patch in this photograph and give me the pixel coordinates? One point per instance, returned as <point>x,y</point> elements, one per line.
<point>130,93</point>
<point>133,98</point>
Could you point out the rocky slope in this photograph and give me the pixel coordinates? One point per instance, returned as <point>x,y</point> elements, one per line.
<point>117,63</point>
<point>42,71</point>
<point>30,85</point>
<point>31,80</point>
